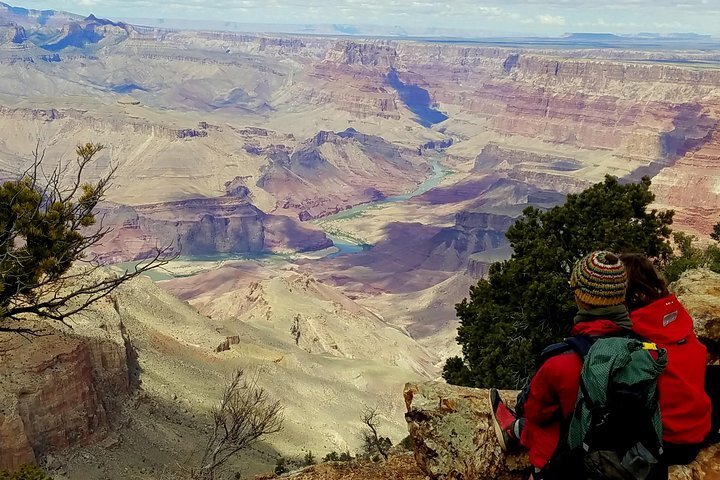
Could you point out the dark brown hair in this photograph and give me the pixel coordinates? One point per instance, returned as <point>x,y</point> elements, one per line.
<point>645,285</point>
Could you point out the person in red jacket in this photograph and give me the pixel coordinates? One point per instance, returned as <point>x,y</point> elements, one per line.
<point>598,281</point>
<point>658,316</point>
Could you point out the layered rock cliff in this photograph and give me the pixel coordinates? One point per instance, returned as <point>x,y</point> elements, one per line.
<point>204,226</point>
<point>699,291</point>
<point>334,171</point>
<point>58,390</point>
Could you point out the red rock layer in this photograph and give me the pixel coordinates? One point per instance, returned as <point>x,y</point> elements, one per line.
<point>692,187</point>
<point>56,391</point>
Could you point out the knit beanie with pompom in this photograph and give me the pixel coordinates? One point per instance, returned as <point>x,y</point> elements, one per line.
<point>599,279</point>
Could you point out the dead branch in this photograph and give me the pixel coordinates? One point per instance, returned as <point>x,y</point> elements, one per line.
<point>46,226</point>
<point>245,414</point>
<point>372,441</point>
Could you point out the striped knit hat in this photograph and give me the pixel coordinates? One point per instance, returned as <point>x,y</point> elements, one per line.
<point>599,279</point>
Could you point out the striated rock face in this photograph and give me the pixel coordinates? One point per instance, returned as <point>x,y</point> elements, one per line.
<point>552,172</point>
<point>333,171</point>
<point>377,54</point>
<point>473,232</point>
<point>194,227</point>
<point>57,391</point>
<point>288,234</point>
<point>692,186</point>
<point>454,439</point>
<point>205,226</point>
<point>20,35</point>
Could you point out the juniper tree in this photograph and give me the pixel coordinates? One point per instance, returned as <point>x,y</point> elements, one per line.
<point>525,302</point>
<point>48,224</point>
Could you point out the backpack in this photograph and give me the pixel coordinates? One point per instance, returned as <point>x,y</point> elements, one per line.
<point>615,431</point>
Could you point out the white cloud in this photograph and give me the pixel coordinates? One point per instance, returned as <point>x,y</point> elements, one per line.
<point>503,16</point>
<point>556,20</point>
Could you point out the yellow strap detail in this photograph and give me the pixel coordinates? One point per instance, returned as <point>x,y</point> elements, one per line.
<point>649,346</point>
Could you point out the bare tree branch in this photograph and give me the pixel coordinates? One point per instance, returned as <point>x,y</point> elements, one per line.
<point>45,228</point>
<point>245,414</point>
<point>373,442</point>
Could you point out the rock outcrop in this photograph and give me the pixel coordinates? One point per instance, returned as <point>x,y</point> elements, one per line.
<point>699,291</point>
<point>57,391</point>
<point>453,436</point>
<point>202,226</point>
<point>454,439</point>
<point>205,226</point>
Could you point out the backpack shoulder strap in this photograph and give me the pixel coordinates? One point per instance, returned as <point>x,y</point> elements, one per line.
<point>579,344</point>
<point>552,351</point>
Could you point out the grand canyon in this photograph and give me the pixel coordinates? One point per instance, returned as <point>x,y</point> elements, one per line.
<point>352,188</point>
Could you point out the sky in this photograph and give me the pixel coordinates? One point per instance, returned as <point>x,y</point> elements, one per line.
<point>542,17</point>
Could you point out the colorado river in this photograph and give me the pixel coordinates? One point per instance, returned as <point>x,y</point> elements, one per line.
<point>345,244</point>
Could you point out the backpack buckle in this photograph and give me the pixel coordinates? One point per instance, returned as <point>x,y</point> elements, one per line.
<point>649,346</point>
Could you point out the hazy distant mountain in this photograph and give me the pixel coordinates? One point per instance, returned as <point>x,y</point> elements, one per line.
<point>308,29</point>
<point>55,30</point>
<point>34,18</point>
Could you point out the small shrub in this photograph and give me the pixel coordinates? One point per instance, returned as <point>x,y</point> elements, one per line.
<point>281,466</point>
<point>309,459</point>
<point>345,457</point>
<point>331,457</point>
<point>407,443</point>
<point>27,472</point>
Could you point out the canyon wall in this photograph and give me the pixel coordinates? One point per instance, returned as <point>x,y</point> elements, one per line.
<point>207,107</point>
<point>561,122</point>
<point>58,391</point>
<point>201,227</point>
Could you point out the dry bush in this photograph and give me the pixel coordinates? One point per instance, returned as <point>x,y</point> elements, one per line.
<point>245,414</point>
<point>373,443</point>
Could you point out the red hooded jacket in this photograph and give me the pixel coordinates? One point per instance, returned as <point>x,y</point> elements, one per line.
<point>552,396</point>
<point>684,405</point>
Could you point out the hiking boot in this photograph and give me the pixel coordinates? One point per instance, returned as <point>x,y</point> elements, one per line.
<point>504,422</point>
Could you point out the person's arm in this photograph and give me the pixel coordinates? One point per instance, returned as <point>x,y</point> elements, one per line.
<point>552,395</point>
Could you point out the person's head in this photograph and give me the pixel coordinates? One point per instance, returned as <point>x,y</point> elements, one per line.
<point>599,280</point>
<point>645,285</point>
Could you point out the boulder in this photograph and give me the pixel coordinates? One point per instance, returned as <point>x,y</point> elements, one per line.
<point>699,292</point>
<point>454,439</point>
<point>453,436</point>
<point>705,467</point>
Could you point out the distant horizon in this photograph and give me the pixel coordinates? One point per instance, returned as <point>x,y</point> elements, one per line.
<point>488,18</point>
<point>409,32</point>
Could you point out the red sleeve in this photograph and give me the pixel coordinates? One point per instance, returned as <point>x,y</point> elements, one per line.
<point>553,392</point>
